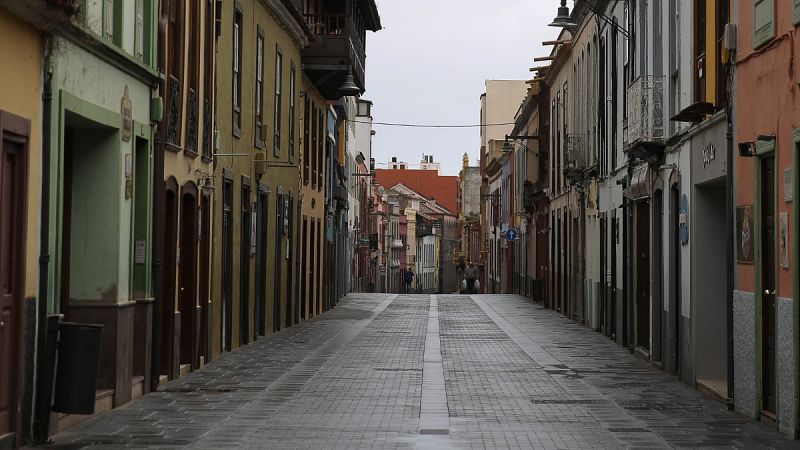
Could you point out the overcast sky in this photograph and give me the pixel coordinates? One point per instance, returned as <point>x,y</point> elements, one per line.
<point>429,63</point>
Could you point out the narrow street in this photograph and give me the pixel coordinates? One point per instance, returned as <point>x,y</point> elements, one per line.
<point>446,371</point>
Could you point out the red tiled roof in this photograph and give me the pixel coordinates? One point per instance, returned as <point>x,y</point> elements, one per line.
<point>444,189</point>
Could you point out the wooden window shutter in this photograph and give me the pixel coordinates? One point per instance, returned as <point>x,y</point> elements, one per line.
<point>140,29</point>
<point>108,19</point>
<point>763,22</point>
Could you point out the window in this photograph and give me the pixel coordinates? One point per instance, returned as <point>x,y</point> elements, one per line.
<point>764,22</point>
<point>108,19</point>
<point>315,126</point>
<point>700,50</point>
<point>796,12</point>
<point>278,82</point>
<point>306,142</point>
<point>292,110</point>
<point>140,30</point>
<point>321,143</point>
<point>260,89</point>
<point>237,73</point>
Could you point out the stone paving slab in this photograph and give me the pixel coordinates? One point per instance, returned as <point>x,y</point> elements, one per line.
<point>419,371</point>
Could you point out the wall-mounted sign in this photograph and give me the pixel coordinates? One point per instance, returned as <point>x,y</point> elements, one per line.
<point>783,240</point>
<point>744,234</point>
<point>788,195</point>
<point>512,234</point>
<point>126,109</point>
<point>139,252</point>
<point>709,154</point>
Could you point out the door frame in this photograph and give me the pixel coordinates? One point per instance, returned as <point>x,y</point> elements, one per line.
<point>764,149</point>
<point>189,190</point>
<point>18,129</point>
<point>169,303</point>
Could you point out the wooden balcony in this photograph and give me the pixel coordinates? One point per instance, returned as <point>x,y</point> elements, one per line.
<point>43,14</point>
<point>338,47</point>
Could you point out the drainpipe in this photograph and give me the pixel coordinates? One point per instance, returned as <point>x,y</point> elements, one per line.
<point>45,366</point>
<point>729,266</point>
<point>158,208</point>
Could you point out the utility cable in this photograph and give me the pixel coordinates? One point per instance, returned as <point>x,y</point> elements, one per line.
<point>419,125</point>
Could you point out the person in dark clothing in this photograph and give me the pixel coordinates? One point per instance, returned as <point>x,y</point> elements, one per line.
<point>470,275</point>
<point>409,278</point>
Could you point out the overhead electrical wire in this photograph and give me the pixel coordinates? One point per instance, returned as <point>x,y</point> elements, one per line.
<point>419,125</point>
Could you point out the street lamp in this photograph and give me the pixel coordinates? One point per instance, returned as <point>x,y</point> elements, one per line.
<point>564,20</point>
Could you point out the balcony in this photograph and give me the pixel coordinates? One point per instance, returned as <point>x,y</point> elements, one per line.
<point>574,157</point>
<point>645,137</point>
<point>338,46</point>
<point>424,227</point>
<point>45,15</point>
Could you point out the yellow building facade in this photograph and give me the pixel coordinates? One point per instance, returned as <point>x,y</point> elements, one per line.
<point>257,172</point>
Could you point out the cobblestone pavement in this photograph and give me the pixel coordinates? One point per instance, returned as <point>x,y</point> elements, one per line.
<point>419,371</point>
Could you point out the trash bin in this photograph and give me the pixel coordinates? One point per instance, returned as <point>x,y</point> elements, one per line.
<point>76,373</point>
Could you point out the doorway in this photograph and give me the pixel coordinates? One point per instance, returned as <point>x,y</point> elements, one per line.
<point>204,352</point>
<point>658,274</point>
<point>289,262</point>
<point>675,301</point>
<point>261,265</point>
<point>187,277</point>
<point>768,286</point>
<point>709,290</point>
<point>279,224</point>
<point>167,343</point>
<point>642,278</point>
<point>244,268</point>
<point>226,315</point>
<point>13,192</point>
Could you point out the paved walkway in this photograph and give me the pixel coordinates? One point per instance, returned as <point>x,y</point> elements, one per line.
<point>420,371</point>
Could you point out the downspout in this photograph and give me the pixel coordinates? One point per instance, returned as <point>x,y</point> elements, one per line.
<point>45,366</point>
<point>158,208</point>
<point>729,265</point>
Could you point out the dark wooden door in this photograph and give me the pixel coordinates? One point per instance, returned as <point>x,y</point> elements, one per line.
<point>642,279</point>
<point>244,269</point>
<point>768,284</point>
<point>205,276</point>
<point>226,324</point>
<point>12,193</point>
<point>675,309</point>
<point>276,301</point>
<point>167,363</point>
<point>289,265</point>
<point>187,280</point>
<point>261,265</point>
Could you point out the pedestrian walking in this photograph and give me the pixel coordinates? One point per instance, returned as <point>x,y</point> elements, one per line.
<point>471,276</point>
<point>409,278</point>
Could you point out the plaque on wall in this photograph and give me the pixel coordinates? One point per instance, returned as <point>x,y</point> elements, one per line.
<point>745,233</point>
